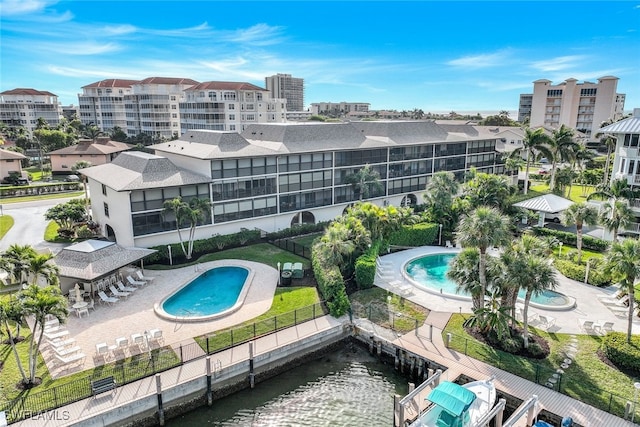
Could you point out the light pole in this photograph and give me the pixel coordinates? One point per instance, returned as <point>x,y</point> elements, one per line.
<point>586,272</point>
<point>440,235</point>
<point>635,399</point>
<point>560,251</point>
<point>278,273</point>
<point>170,258</point>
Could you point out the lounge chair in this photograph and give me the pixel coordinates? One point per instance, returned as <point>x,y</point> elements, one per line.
<point>66,351</point>
<point>102,349</point>
<point>135,282</point>
<point>155,335</point>
<point>622,302</point>
<point>56,334</point>
<point>124,288</point>
<point>142,277</point>
<point>586,325</point>
<point>138,340</point>
<point>448,244</point>
<point>546,322</point>
<point>106,299</point>
<point>603,326</point>
<point>70,359</point>
<point>117,293</point>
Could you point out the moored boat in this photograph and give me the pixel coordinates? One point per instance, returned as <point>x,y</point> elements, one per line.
<point>456,405</point>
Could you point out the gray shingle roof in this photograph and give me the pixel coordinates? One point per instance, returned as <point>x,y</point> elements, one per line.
<point>92,259</point>
<point>135,170</point>
<point>403,132</point>
<point>629,125</point>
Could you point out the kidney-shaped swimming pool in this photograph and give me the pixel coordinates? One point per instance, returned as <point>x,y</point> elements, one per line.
<point>214,293</point>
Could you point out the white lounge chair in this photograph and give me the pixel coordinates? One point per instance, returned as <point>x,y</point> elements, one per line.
<point>59,343</point>
<point>622,302</point>
<point>448,244</point>
<point>102,349</point>
<point>117,293</point>
<point>106,299</point>
<point>155,335</point>
<point>586,325</point>
<point>138,340</point>
<point>546,322</point>
<point>142,277</point>
<point>70,359</point>
<point>603,326</point>
<point>66,351</point>
<point>135,282</point>
<point>56,334</point>
<point>124,288</point>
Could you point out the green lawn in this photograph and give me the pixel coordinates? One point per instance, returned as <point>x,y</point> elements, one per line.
<point>409,312</point>
<point>578,193</point>
<point>306,241</point>
<point>587,379</point>
<point>6,222</point>
<point>264,253</point>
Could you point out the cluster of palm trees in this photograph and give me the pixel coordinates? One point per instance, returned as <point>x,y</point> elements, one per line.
<point>37,299</point>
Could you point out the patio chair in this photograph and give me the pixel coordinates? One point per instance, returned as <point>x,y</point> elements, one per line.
<point>622,302</point>
<point>106,299</point>
<point>124,288</point>
<point>546,322</point>
<point>102,349</point>
<point>448,244</point>
<point>135,282</point>
<point>586,325</point>
<point>81,311</point>
<point>137,340</point>
<point>117,293</point>
<point>92,305</point>
<point>155,335</point>
<point>143,278</point>
<point>603,326</point>
<point>617,295</point>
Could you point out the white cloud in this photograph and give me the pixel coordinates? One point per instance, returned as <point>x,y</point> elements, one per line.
<point>102,73</point>
<point>480,61</point>
<point>19,7</point>
<point>559,63</point>
<point>117,30</point>
<point>80,48</point>
<point>259,34</point>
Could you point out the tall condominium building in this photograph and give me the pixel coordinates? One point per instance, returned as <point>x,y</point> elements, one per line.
<point>524,108</point>
<point>148,106</point>
<point>581,106</point>
<point>229,106</point>
<point>102,103</point>
<point>287,87</point>
<point>339,108</point>
<point>23,107</point>
<point>275,175</point>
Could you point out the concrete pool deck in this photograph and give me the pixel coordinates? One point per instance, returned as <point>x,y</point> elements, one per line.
<point>588,305</point>
<point>136,314</point>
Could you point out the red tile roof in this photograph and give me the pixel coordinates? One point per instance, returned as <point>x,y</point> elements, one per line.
<point>168,81</point>
<point>112,83</point>
<point>26,91</point>
<point>226,86</point>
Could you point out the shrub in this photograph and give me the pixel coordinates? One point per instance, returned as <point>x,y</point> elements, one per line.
<point>366,267</point>
<point>622,354</point>
<point>415,235</point>
<point>535,350</point>
<point>511,345</point>
<point>574,271</point>
<point>330,282</point>
<point>567,238</point>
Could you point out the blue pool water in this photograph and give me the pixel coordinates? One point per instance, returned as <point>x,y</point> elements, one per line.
<point>430,271</point>
<point>212,292</point>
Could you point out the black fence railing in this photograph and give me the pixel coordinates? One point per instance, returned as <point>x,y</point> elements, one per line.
<point>293,247</point>
<point>152,362</point>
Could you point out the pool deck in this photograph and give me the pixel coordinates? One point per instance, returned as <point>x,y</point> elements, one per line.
<point>135,314</point>
<point>588,306</point>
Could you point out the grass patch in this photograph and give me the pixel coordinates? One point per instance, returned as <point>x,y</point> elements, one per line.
<point>290,306</point>
<point>264,253</point>
<point>587,379</point>
<point>577,193</point>
<point>306,241</point>
<point>6,222</point>
<point>41,197</point>
<point>398,313</point>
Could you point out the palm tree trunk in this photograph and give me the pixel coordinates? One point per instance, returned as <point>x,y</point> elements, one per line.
<point>606,165</point>
<point>33,357</point>
<point>579,241</point>
<point>552,179</point>
<point>525,319</point>
<point>526,173</point>
<point>631,291</point>
<point>15,352</point>
<point>482,273</point>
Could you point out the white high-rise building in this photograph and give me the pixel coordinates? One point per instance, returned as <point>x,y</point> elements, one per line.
<point>229,106</point>
<point>22,107</point>
<point>339,108</point>
<point>102,103</point>
<point>290,88</point>
<point>581,106</point>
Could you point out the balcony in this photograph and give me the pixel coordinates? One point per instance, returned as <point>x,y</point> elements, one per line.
<point>628,152</point>
<point>634,227</point>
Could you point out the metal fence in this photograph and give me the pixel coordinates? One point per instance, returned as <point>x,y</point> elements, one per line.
<point>291,246</point>
<point>154,361</point>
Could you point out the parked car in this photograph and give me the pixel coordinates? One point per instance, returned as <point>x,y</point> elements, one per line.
<point>542,171</point>
<point>15,180</point>
<point>72,178</point>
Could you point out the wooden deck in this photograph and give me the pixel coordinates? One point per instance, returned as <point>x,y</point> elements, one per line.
<point>459,364</point>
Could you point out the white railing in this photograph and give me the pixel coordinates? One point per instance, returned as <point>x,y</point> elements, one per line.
<point>634,227</point>
<point>628,152</point>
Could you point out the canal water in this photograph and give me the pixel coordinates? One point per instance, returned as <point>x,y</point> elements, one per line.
<point>346,388</point>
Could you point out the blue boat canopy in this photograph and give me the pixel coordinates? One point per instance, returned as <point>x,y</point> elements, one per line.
<point>452,397</point>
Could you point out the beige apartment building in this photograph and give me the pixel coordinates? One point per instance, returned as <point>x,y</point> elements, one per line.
<point>22,107</point>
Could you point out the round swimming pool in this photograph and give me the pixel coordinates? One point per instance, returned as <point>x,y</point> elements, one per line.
<point>430,273</point>
<point>214,293</point>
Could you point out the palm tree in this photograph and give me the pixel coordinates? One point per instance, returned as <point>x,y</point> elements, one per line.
<point>91,132</point>
<point>616,215</point>
<point>539,276</point>
<point>562,148</point>
<point>16,260</point>
<point>464,270</point>
<point>623,263</point>
<point>619,189</point>
<point>40,267</point>
<point>76,167</point>
<point>440,191</point>
<point>579,214</point>
<point>364,181</point>
<point>534,141</point>
<point>336,245</point>
<point>490,190</point>
<point>9,310</point>
<point>483,228</point>
<point>41,302</point>
<point>192,213</point>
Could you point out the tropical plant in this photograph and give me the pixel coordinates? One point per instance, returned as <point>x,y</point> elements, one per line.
<point>483,228</point>
<point>616,214</point>
<point>76,167</point>
<point>91,132</point>
<point>335,244</point>
<point>464,270</point>
<point>492,318</point>
<point>618,189</point>
<point>193,214</point>
<point>538,275</point>
<point>535,141</point>
<point>16,262</point>
<point>623,263</point>
<point>579,214</point>
<point>562,148</point>
<point>485,189</point>
<point>364,182</point>
<point>67,214</point>
<point>440,191</point>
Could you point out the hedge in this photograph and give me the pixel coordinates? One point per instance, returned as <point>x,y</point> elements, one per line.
<point>620,353</point>
<point>366,267</point>
<point>424,233</point>
<point>297,230</point>
<point>577,272</point>
<point>567,238</point>
<point>330,283</point>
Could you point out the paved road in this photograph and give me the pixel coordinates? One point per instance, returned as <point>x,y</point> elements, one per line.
<point>29,224</point>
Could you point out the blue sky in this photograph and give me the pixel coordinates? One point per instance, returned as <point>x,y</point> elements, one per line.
<point>438,56</point>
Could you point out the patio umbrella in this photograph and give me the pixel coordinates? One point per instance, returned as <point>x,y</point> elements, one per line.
<point>78,293</point>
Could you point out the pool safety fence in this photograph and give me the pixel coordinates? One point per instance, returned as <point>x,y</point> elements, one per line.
<point>151,362</point>
<point>293,247</point>
<point>565,379</point>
